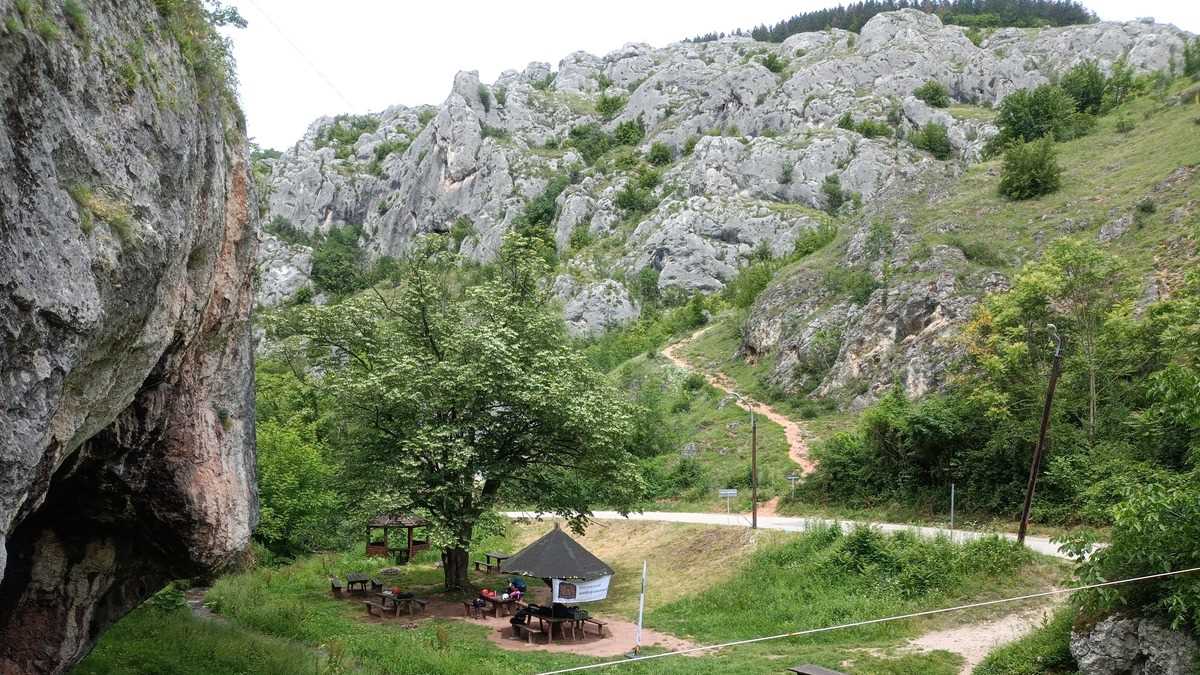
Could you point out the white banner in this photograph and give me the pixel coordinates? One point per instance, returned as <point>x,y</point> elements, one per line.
<point>574,592</point>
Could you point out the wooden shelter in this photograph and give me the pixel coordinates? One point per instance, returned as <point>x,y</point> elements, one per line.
<point>395,521</point>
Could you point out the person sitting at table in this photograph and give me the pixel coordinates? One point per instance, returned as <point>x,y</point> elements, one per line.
<point>514,592</point>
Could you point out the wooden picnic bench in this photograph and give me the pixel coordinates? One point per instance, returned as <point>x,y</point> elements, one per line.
<point>406,600</point>
<point>359,580</point>
<point>529,631</point>
<point>497,604</point>
<point>600,624</point>
<point>335,587</point>
<point>547,623</point>
<point>486,565</point>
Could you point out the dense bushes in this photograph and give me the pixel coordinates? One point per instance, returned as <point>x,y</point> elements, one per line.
<point>1030,170</point>
<point>660,154</point>
<point>934,139</point>
<point>337,266</point>
<point>609,106</point>
<point>933,93</point>
<point>867,127</point>
<point>1085,83</point>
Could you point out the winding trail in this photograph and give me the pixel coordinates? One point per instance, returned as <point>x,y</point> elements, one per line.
<point>797,445</point>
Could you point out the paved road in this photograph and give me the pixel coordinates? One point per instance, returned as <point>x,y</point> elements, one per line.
<point>800,524</point>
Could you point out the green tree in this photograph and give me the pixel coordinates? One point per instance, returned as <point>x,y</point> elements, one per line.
<point>1085,83</point>
<point>660,154</point>
<point>1030,114</point>
<point>453,402</point>
<point>298,503</point>
<point>337,261</point>
<point>1030,170</point>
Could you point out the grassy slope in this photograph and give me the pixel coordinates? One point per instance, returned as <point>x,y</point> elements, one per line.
<point>711,584</point>
<point>721,432</point>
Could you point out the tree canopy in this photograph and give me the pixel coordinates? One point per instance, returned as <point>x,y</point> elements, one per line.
<point>453,402</point>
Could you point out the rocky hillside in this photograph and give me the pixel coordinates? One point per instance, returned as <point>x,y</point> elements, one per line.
<point>127,244</point>
<point>674,167</point>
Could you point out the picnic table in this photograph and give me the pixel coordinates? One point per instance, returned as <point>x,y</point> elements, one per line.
<point>393,602</point>
<point>548,623</point>
<point>486,565</point>
<point>356,579</point>
<point>497,604</point>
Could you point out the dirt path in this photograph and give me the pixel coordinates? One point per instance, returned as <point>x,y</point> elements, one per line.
<point>974,641</point>
<point>797,446</point>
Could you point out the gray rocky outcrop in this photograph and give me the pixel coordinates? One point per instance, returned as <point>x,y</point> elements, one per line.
<point>283,269</point>
<point>1120,645</point>
<point>751,152</point>
<point>593,308</point>
<point>127,246</point>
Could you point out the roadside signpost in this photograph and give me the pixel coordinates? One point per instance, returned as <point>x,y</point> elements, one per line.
<point>792,478</point>
<point>727,494</point>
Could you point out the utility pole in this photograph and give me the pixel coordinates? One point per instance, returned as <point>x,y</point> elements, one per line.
<point>753,470</point>
<point>1036,464</point>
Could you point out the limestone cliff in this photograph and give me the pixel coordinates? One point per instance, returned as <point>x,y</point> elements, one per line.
<point>127,245</point>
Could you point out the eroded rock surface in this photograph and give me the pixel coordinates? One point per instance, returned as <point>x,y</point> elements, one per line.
<point>1121,645</point>
<point>127,245</point>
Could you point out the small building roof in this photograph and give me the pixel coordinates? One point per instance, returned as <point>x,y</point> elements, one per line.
<point>397,520</point>
<point>556,556</point>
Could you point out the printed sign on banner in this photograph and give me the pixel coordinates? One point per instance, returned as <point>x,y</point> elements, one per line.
<point>574,592</point>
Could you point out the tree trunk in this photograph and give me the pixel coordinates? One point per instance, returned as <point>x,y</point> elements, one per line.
<point>454,566</point>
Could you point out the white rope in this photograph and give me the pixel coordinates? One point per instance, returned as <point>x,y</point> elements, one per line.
<point>870,621</point>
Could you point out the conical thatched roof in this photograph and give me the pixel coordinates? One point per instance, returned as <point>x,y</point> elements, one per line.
<point>556,556</point>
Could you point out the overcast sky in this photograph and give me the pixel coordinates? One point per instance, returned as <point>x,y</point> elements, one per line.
<point>300,59</point>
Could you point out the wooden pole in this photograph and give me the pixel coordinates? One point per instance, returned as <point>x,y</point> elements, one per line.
<point>1036,464</point>
<point>753,470</point>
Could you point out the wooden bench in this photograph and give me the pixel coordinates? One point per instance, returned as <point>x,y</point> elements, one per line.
<point>373,606</point>
<point>335,587</point>
<point>471,610</point>
<point>529,631</point>
<point>600,624</point>
<point>481,566</point>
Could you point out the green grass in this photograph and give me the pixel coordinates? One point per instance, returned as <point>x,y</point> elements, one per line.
<point>710,583</point>
<point>1044,651</point>
<point>1105,175</point>
<point>720,431</point>
<point>150,640</point>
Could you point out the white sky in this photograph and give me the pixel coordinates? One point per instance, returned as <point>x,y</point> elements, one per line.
<point>300,59</point>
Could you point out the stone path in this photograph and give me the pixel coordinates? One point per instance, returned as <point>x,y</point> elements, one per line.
<point>797,445</point>
<point>974,641</point>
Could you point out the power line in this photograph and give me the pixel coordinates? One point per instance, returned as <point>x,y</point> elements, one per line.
<point>312,66</point>
<point>856,624</point>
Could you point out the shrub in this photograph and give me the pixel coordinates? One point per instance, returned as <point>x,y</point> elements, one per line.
<point>846,121</point>
<point>590,140</point>
<point>485,98</point>
<point>648,178</point>
<point>1085,83</point>
<point>857,285</point>
<point>1030,170</point>
<point>979,252</point>
<point>460,230</point>
<point>934,139</point>
<point>814,240</point>
<point>501,95</point>
<point>630,132</point>
<point>690,144</point>
<point>76,17</point>
<point>634,201</point>
<point>933,93</point>
<point>497,133</point>
<point>660,154</point>
<point>1125,125</point>
<point>873,129</point>
<point>835,197</point>
<point>609,106</point>
<point>386,148</point>
<point>1028,115</point>
<point>337,261</point>
<point>1119,87</point>
<point>1191,58</point>
<point>773,63</point>
<point>425,116</point>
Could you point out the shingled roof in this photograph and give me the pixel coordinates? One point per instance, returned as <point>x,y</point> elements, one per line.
<point>556,556</point>
<point>398,520</point>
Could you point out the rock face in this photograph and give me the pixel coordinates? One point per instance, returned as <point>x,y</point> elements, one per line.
<point>127,244</point>
<point>752,152</point>
<point>283,270</point>
<point>592,309</point>
<point>1129,646</point>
